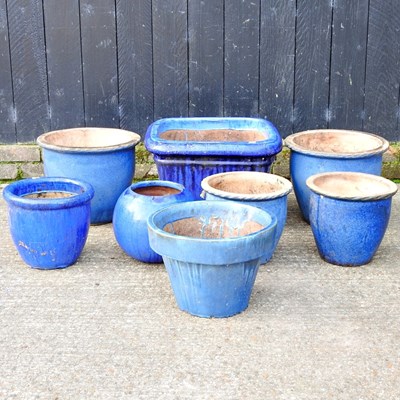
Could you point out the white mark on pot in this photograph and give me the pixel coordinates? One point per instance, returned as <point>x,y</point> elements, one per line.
<point>25,246</point>
<point>59,92</point>
<point>104,43</point>
<point>88,9</point>
<point>350,80</point>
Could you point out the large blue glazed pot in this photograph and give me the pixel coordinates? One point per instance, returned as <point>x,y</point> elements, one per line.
<point>49,220</point>
<point>132,210</point>
<point>186,150</point>
<point>103,157</point>
<point>259,189</point>
<point>349,213</point>
<point>328,150</point>
<point>212,251</point>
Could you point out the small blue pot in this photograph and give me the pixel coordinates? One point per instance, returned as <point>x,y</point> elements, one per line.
<point>103,157</point>
<point>132,210</point>
<point>212,251</point>
<point>329,150</point>
<point>266,191</point>
<point>349,214</point>
<point>48,230</point>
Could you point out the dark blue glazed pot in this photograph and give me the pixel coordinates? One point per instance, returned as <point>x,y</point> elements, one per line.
<point>186,150</point>
<point>266,191</point>
<point>212,251</point>
<point>103,157</point>
<point>328,150</point>
<point>132,210</point>
<point>49,220</point>
<point>349,213</point>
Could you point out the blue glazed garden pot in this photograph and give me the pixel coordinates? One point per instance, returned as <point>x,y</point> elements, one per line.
<point>349,214</point>
<point>132,210</point>
<point>266,191</point>
<point>212,251</point>
<point>328,150</point>
<point>186,150</point>
<point>49,220</point>
<point>103,157</point>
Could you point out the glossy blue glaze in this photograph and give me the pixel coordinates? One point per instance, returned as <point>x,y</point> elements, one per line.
<point>212,277</point>
<point>49,232</point>
<point>132,210</point>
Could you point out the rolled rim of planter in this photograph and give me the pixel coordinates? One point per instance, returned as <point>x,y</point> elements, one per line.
<point>148,185</point>
<point>78,140</point>
<point>15,193</point>
<point>337,143</point>
<point>352,186</point>
<point>248,185</point>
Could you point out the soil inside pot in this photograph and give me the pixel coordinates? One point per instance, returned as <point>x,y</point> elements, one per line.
<point>211,228</point>
<point>48,195</point>
<point>213,135</point>
<point>156,191</point>
<point>241,185</point>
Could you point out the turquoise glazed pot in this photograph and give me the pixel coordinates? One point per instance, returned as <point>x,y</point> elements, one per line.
<point>212,251</point>
<point>132,210</point>
<point>103,157</point>
<point>328,150</point>
<point>266,191</point>
<point>349,213</point>
<point>186,150</point>
<point>49,220</point>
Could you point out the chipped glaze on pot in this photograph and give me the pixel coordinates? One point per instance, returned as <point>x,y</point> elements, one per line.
<point>266,191</point>
<point>349,214</point>
<point>325,150</point>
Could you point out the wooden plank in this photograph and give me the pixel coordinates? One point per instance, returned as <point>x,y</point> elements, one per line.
<point>241,58</point>
<point>28,60</point>
<point>383,69</point>
<point>7,124</point>
<point>347,79</point>
<point>277,48</point>
<point>206,63</point>
<point>170,58</point>
<point>313,42</point>
<point>64,63</point>
<point>135,62</point>
<point>99,55</point>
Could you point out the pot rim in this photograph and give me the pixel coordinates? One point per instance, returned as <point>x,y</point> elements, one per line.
<point>157,182</point>
<point>391,187</point>
<point>259,176</point>
<point>289,141</point>
<point>132,139</point>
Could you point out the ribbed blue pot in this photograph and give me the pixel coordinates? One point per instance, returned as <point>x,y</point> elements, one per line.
<point>49,232</point>
<point>349,214</point>
<point>190,157</point>
<point>317,151</point>
<point>132,210</point>
<point>103,157</point>
<point>211,275</point>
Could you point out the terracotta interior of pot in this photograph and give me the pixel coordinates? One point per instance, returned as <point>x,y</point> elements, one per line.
<point>211,228</point>
<point>156,191</point>
<point>48,195</point>
<point>338,142</point>
<point>213,135</point>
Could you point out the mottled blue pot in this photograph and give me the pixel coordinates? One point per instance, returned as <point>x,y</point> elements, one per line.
<point>211,262</point>
<point>49,232</point>
<point>132,210</point>
<point>349,213</point>
<point>326,150</point>
<point>196,148</point>
<point>266,191</point>
<point>103,157</point>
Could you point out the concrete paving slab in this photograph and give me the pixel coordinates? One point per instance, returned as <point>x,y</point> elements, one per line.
<point>108,327</point>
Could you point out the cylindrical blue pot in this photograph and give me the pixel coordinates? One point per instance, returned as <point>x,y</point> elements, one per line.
<point>103,157</point>
<point>329,150</point>
<point>349,213</point>
<point>49,230</point>
<point>132,210</point>
<point>266,191</point>
<point>212,251</point>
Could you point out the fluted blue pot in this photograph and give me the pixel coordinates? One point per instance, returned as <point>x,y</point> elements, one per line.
<point>132,210</point>
<point>329,150</point>
<point>212,251</point>
<point>48,229</point>
<point>349,214</point>
<point>103,157</point>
